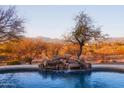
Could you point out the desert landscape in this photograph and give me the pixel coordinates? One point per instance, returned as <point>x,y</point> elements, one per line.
<point>49,48</point>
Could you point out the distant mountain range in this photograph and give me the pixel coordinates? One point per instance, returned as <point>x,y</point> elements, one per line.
<point>54,40</point>
<point>115,39</point>
<point>111,39</point>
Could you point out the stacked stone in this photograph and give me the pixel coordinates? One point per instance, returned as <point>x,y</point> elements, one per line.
<point>66,62</point>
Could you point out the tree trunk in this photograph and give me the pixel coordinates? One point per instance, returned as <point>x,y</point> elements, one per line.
<point>30,62</point>
<point>80,51</point>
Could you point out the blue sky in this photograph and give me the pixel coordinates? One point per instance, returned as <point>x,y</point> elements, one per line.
<point>54,21</point>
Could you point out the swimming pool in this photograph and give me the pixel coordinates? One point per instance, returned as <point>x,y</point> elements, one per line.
<point>52,79</point>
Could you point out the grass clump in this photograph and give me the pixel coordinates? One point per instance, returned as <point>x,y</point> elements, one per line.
<point>15,62</point>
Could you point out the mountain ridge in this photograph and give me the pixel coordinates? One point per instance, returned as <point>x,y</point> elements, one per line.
<point>57,40</point>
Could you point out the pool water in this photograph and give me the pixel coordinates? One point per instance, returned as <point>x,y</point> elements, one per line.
<point>62,80</point>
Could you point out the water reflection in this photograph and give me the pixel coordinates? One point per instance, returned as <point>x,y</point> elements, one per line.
<point>77,79</point>
<point>48,79</point>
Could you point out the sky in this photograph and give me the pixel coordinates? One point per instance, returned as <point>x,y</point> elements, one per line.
<point>54,21</point>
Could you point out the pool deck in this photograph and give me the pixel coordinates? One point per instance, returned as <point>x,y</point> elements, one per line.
<point>95,67</point>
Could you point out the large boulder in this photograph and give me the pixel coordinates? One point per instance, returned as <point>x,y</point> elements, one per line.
<point>44,62</point>
<point>67,56</point>
<point>73,66</point>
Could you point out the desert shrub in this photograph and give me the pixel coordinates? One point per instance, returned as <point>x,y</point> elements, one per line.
<point>28,59</point>
<point>16,62</point>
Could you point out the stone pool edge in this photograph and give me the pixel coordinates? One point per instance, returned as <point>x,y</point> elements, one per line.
<point>108,67</point>
<point>95,67</point>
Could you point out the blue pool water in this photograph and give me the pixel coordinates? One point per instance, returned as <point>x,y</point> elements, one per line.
<point>62,80</point>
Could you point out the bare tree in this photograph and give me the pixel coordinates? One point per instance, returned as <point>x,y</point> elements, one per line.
<point>83,32</point>
<point>11,25</point>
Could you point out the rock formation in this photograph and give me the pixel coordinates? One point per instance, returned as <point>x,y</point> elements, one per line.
<point>64,63</point>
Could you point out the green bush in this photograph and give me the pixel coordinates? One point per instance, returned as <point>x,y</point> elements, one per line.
<point>13,63</point>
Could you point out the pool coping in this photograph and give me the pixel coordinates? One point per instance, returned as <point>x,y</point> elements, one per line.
<point>95,67</point>
<point>108,67</point>
<point>19,68</point>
